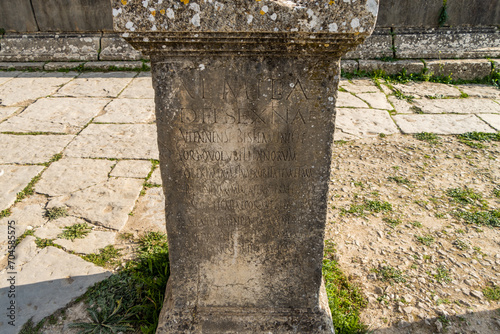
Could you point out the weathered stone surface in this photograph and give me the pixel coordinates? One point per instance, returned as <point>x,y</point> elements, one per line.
<point>61,65</point>
<point>17,15</point>
<point>121,141</point>
<point>378,45</point>
<point>70,175</point>
<point>149,213</point>
<point>5,112</point>
<point>460,69</point>
<point>109,65</point>
<point>97,84</point>
<point>19,66</point>
<point>421,89</point>
<point>6,76</point>
<point>359,86</point>
<point>63,115</point>
<point>94,241</point>
<point>482,91</point>
<point>53,228</point>
<point>155,177</point>
<point>28,213</point>
<point>107,204</point>
<point>72,15</point>
<point>13,179</point>
<point>132,168</point>
<point>441,124</point>
<point>31,149</point>
<point>114,47</point>
<point>128,111</point>
<point>473,13</point>
<point>391,67</point>
<point>15,92</point>
<point>49,47</point>
<point>458,106</point>
<point>42,292</point>
<point>359,123</point>
<point>402,13</point>
<point>401,106</point>
<point>140,88</point>
<point>492,119</point>
<point>377,100</point>
<point>349,66</point>
<point>345,100</point>
<point>447,43</point>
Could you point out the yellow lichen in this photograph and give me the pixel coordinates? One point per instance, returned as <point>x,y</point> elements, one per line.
<point>331,2</point>
<point>153,12</point>
<point>262,12</point>
<point>162,11</point>
<point>124,2</point>
<point>185,1</point>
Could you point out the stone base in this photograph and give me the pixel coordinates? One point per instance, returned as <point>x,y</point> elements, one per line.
<point>240,320</point>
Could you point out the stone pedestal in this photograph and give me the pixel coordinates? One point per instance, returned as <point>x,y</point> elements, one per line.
<point>245,108</point>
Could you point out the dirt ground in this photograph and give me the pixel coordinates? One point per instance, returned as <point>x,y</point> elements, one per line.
<point>421,267</point>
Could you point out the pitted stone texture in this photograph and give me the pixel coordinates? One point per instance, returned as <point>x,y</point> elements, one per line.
<point>401,106</point>
<point>69,175</point>
<point>359,123</point>
<point>391,67</point>
<point>443,43</point>
<point>97,84</point>
<point>61,65</point>
<point>155,177</point>
<point>359,86</point>
<point>63,115</point>
<point>42,291</point>
<point>248,16</point>
<point>492,119</point>
<point>347,100</point>
<point>149,213</point>
<point>140,88</point>
<point>377,100</point>
<point>46,46</point>
<point>131,168</point>
<point>441,124</point>
<point>53,228</point>
<point>422,89</point>
<point>5,112</point>
<point>128,111</point>
<point>109,65</point>
<point>378,45</point>
<point>13,179</point>
<point>349,66</point>
<point>20,66</point>
<point>30,86</point>
<point>458,106</point>
<point>29,213</point>
<point>121,141</point>
<point>91,243</point>
<point>114,47</point>
<point>107,204</point>
<point>460,69</point>
<point>482,91</point>
<point>31,149</point>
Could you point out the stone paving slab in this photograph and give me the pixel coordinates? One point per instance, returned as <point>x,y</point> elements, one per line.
<point>149,213</point>
<point>347,100</point>
<point>29,86</point>
<point>128,111</point>
<point>155,177</point>
<point>13,179</point>
<point>97,84</point>
<point>62,115</point>
<point>377,100</point>
<point>31,149</point>
<point>41,292</point>
<point>401,106</point>
<point>458,106</point>
<point>91,243</point>
<point>70,175</point>
<point>359,86</point>
<point>358,123</point>
<point>492,119</point>
<point>422,89</point>
<point>441,124</point>
<point>131,168</point>
<point>6,76</point>
<point>140,88</point>
<point>106,204</point>
<point>6,112</point>
<point>121,141</point>
<point>482,91</point>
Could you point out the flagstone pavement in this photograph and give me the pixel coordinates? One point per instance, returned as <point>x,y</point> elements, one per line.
<point>87,142</point>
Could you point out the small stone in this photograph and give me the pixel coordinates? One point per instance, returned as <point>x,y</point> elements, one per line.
<point>477,294</point>
<point>439,326</point>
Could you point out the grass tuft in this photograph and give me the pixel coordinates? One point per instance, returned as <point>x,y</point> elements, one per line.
<point>492,293</point>
<point>56,212</point>
<point>77,231</point>
<point>390,274</point>
<point>107,257</point>
<point>431,138</point>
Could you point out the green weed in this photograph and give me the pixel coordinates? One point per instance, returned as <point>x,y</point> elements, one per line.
<point>56,212</point>
<point>30,328</point>
<point>426,239</point>
<point>489,218</point>
<point>345,299</point>
<point>400,180</point>
<point>492,293</point>
<point>77,231</point>
<point>29,189</point>
<point>5,213</point>
<point>390,274</point>
<point>416,224</point>
<point>392,222</point>
<point>475,139</point>
<point>460,244</point>
<point>441,274</point>
<point>42,243</point>
<point>401,96</point>
<point>107,257</point>
<point>431,138</point>
<point>368,206</point>
<point>466,196</point>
